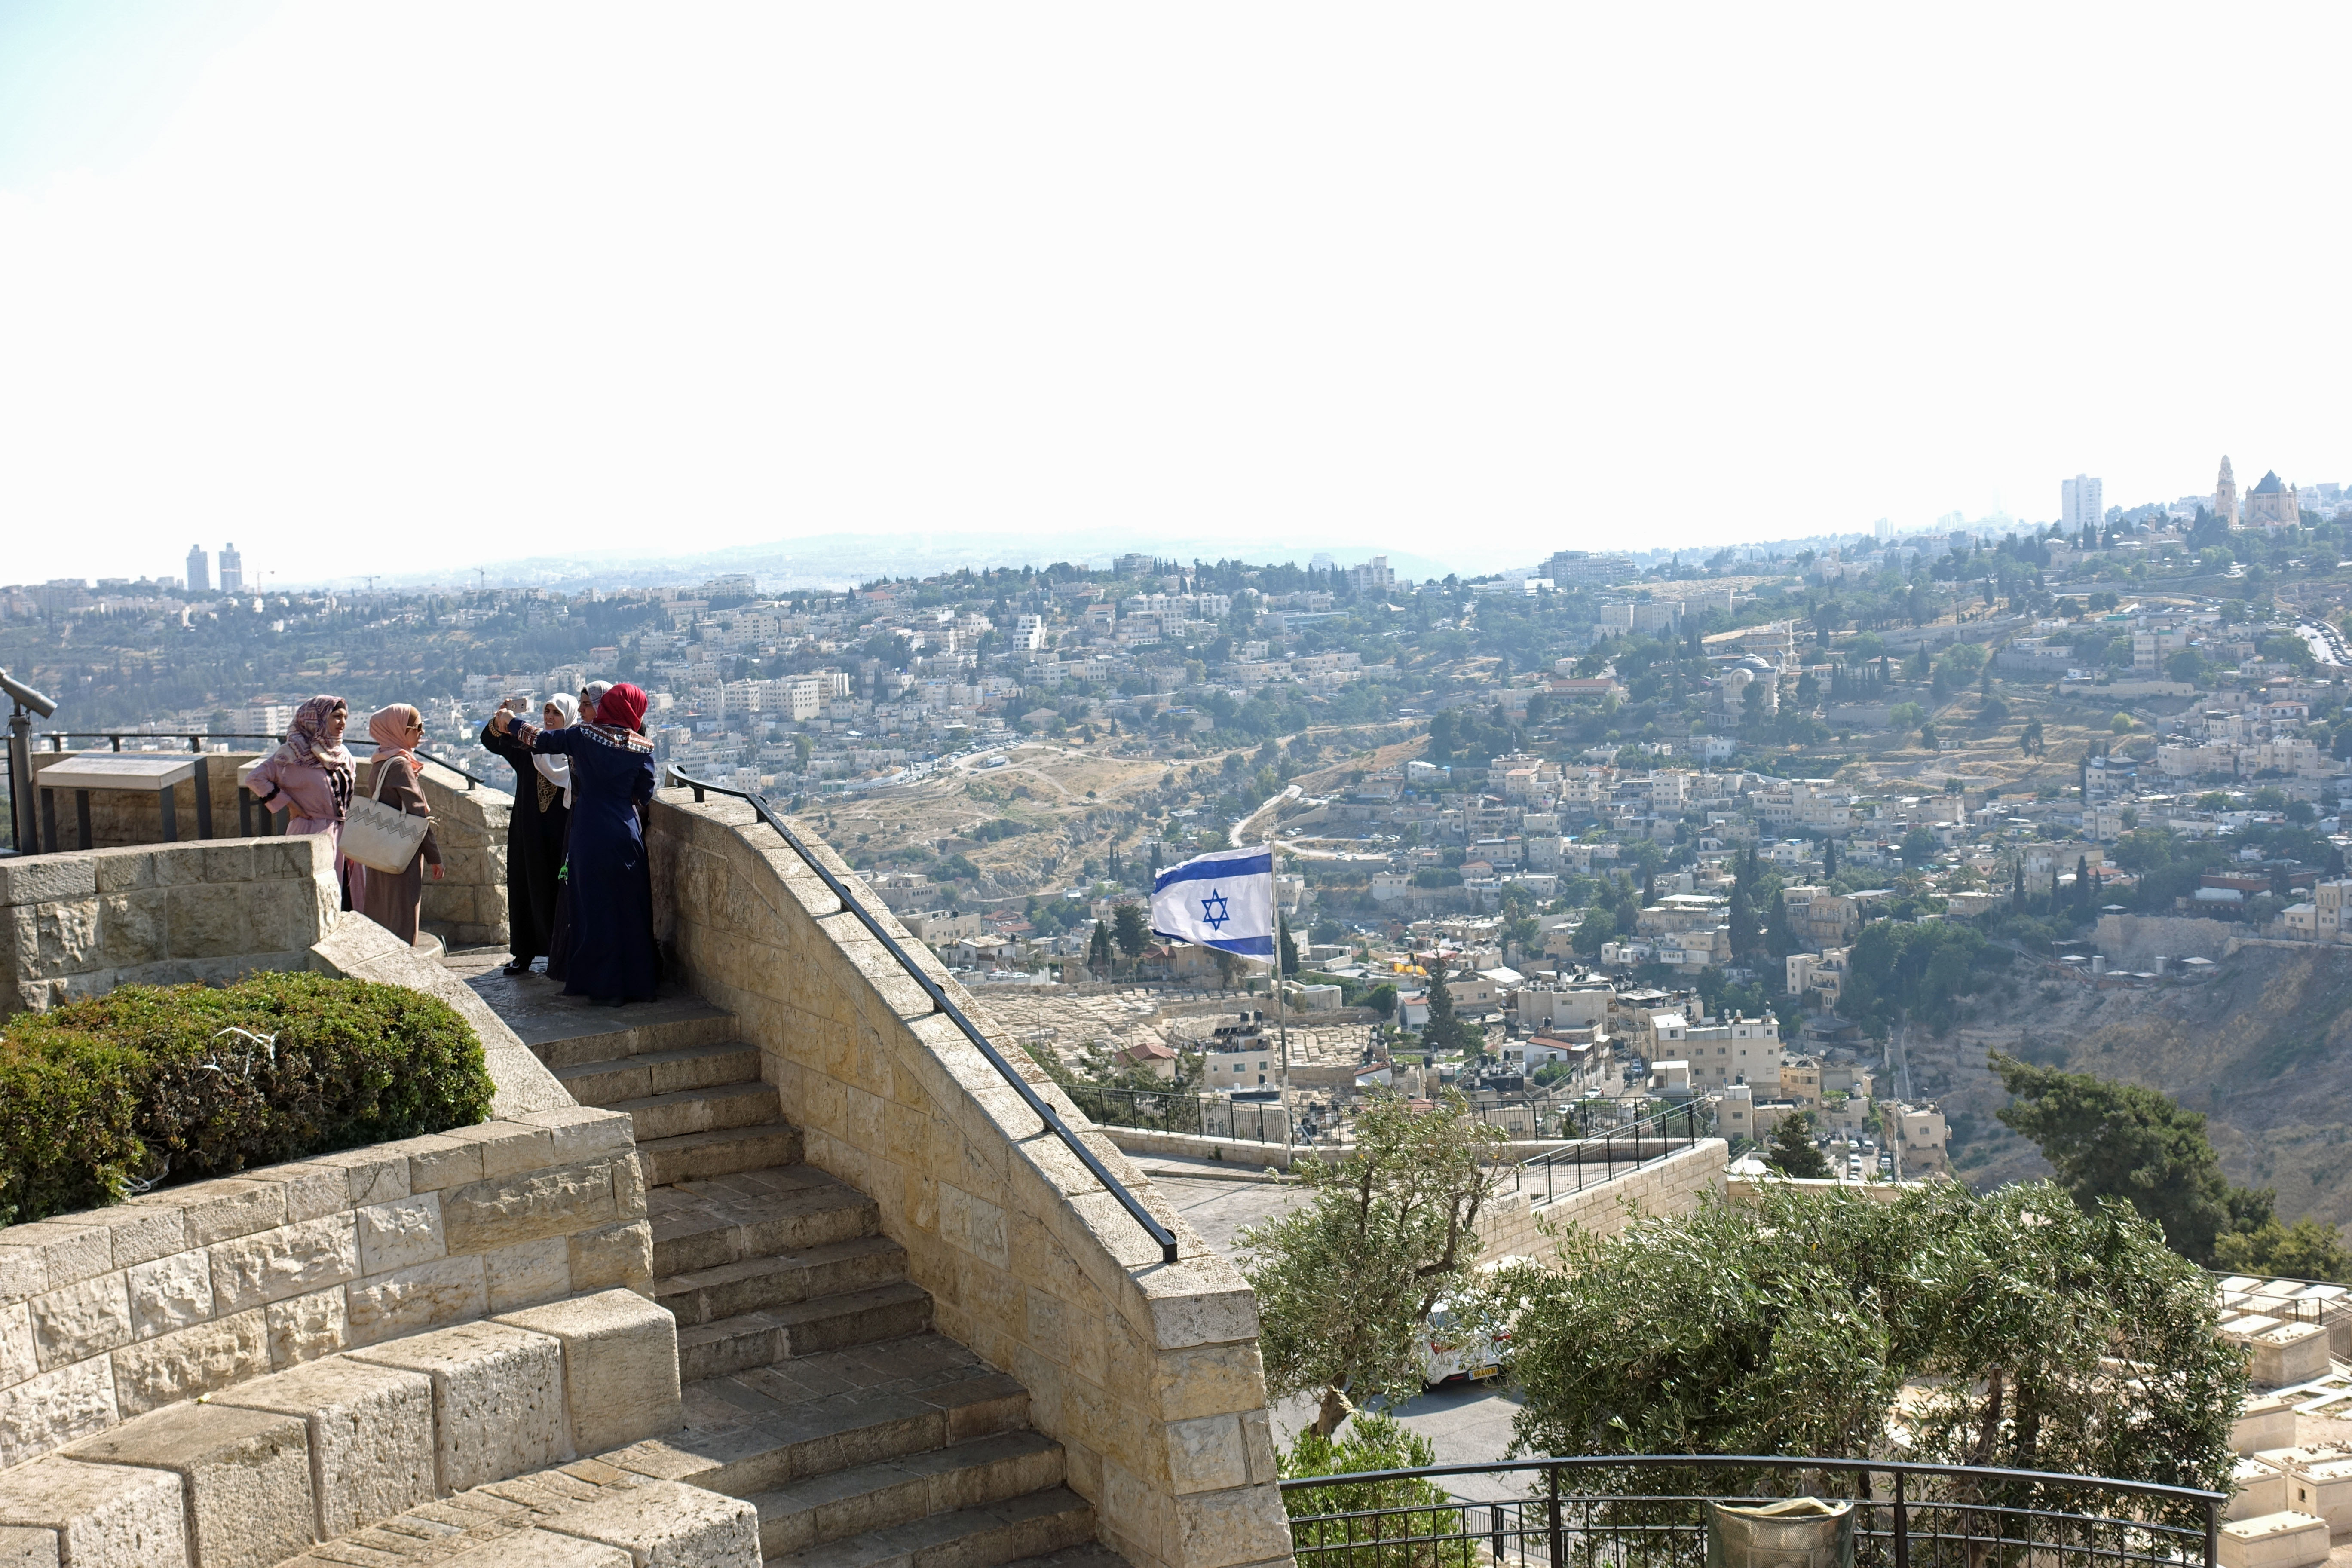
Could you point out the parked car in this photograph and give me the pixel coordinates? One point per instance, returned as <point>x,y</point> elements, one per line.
<point>1454,1352</point>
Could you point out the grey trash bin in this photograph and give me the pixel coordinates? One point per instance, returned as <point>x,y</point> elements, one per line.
<point>1798,1532</point>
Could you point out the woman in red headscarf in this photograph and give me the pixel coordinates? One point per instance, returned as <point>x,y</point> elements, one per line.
<point>394,899</point>
<point>610,881</point>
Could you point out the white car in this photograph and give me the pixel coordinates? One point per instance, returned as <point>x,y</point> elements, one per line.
<point>1451,1352</point>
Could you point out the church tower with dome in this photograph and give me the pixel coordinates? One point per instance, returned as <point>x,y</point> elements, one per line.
<point>2225,495</point>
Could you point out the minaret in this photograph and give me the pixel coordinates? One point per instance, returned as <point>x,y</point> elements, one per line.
<point>2225,495</point>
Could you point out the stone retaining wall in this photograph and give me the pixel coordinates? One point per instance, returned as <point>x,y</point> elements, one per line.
<point>112,1313</point>
<point>79,924</point>
<point>1514,1225</point>
<point>1147,1372</point>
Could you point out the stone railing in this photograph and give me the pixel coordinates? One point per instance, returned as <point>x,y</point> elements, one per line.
<point>1147,1372</point>
<point>467,906</point>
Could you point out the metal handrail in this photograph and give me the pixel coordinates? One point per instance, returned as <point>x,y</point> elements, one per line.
<point>197,738</point>
<point>1653,1138</point>
<point>1549,1529</point>
<point>1160,1234</point>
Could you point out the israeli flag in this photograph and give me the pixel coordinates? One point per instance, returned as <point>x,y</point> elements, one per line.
<point>1224,900</point>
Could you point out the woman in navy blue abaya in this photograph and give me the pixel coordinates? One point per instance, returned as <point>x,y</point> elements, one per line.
<point>612,959</point>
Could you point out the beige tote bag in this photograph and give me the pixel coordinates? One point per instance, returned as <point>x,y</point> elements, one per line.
<point>379,836</point>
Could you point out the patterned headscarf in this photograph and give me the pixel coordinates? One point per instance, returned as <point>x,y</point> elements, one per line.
<point>592,694</point>
<point>306,746</point>
<point>623,707</point>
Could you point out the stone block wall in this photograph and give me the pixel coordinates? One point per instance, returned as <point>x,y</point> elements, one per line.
<point>81,924</point>
<point>108,1315</point>
<point>1515,1225</point>
<point>1147,1372</point>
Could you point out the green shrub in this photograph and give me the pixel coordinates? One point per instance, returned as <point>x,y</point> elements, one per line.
<point>148,1087</point>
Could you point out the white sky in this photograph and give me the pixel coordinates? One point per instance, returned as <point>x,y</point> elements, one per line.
<point>393,287</point>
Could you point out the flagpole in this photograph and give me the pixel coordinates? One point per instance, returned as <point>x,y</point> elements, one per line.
<point>1274,902</point>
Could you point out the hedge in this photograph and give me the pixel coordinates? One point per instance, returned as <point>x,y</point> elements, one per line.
<point>149,1086</point>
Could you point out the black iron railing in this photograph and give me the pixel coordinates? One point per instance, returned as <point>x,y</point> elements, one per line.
<point>249,823</point>
<point>1160,1234</point>
<point>1183,1110</point>
<point>1650,1511</point>
<point>1591,1161</point>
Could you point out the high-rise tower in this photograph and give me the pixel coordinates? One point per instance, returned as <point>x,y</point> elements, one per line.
<point>232,569</point>
<point>2225,495</point>
<point>200,572</point>
<point>2080,501</point>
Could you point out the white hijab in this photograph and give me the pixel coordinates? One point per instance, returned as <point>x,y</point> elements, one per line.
<point>557,769</point>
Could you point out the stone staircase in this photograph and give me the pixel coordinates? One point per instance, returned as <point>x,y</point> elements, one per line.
<point>814,1386</point>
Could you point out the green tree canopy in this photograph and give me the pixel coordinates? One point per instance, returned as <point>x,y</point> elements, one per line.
<point>1130,929</point>
<point>2134,1146</point>
<point>1794,1322</point>
<point>1344,1281</point>
<point>1794,1153</point>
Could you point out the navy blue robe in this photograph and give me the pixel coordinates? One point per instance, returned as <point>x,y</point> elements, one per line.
<point>610,880</point>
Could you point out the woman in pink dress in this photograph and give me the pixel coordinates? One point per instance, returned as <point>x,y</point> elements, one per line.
<point>394,899</point>
<point>310,775</point>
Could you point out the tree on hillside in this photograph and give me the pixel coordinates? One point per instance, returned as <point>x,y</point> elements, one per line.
<point>1130,929</point>
<point>1098,955</point>
<point>1792,1152</point>
<point>1444,1032</point>
<point>1344,1281</point>
<point>2310,1249</point>
<point>2134,1146</point>
<point>1796,1321</point>
<point>1780,935</point>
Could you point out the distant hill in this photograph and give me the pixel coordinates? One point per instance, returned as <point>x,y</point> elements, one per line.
<point>2265,1049</point>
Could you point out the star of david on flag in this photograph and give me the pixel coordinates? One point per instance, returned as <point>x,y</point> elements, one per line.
<point>1223,900</point>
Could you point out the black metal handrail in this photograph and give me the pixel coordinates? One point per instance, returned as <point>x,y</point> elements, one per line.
<point>1160,1234</point>
<point>1636,1144</point>
<point>196,739</point>
<point>1960,1514</point>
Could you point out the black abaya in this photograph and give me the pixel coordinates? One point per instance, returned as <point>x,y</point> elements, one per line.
<point>535,838</point>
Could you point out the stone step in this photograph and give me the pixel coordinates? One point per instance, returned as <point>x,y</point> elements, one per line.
<point>1086,1554</point>
<point>982,1536</point>
<point>707,1295</point>
<point>605,1082</point>
<point>754,1214</point>
<point>774,1425</point>
<point>608,1034</point>
<point>719,1108</point>
<point>833,1507</point>
<point>774,1334</point>
<point>723,1151</point>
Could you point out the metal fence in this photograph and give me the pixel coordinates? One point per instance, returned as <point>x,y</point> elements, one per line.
<point>1589,1161</point>
<point>1183,1110</point>
<point>1650,1511</point>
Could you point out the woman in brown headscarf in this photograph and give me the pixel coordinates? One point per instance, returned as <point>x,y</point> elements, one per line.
<point>393,899</point>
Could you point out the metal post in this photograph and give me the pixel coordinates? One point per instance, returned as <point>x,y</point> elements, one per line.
<point>2212,1534</point>
<point>168,807</point>
<point>50,821</point>
<point>1903,1526</point>
<point>81,816</point>
<point>118,741</point>
<point>204,795</point>
<point>1559,1559</point>
<point>24,826</point>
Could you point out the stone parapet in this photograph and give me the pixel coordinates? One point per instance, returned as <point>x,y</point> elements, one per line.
<point>81,924</point>
<point>1518,1224</point>
<point>1147,1372</point>
<point>108,1315</point>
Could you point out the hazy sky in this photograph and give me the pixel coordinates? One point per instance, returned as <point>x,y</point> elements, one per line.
<point>383,287</point>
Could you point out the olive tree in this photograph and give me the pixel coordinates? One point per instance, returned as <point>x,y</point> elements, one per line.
<point>1344,1281</point>
<point>2037,1334</point>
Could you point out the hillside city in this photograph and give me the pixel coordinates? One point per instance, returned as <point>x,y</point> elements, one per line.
<point>1778,829</point>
